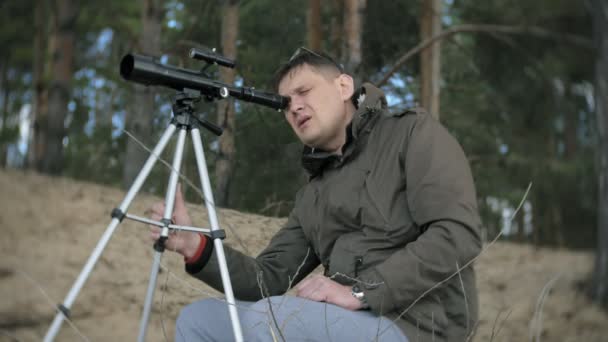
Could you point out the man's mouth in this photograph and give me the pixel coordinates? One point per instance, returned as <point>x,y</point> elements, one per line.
<point>302,121</point>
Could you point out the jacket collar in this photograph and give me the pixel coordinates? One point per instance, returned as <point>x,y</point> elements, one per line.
<point>369,101</point>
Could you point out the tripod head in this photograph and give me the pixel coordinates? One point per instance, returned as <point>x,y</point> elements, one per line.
<point>148,71</point>
<point>183,111</point>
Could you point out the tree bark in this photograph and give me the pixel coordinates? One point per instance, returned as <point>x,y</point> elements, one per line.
<point>430,58</point>
<point>5,89</point>
<point>599,12</point>
<point>521,224</point>
<point>60,84</point>
<point>39,114</point>
<point>570,125</point>
<point>313,23</point>
<point>336,29</point>
<point>139,119</point>
<point>225,108</point>
<point>354,11</point>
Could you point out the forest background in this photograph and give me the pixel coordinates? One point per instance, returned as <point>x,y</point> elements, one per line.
<point>522,85</point>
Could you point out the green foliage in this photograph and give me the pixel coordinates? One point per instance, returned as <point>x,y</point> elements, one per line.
<point>513,101</point>
<point>515,93</point>
<point>391,28</point>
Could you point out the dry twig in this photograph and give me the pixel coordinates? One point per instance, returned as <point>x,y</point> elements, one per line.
<point>468,263</point>
<point>537,318</point>
<point>51,303</point>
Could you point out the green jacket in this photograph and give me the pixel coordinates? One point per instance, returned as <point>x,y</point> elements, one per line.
<point>396,212</point>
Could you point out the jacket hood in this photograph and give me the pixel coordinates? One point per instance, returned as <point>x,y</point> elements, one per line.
<point>369,101</point>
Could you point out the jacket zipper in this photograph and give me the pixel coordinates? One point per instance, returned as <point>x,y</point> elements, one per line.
<point>358,263</point>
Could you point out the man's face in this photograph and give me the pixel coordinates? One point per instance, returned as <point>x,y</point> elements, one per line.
<point>318,111</point>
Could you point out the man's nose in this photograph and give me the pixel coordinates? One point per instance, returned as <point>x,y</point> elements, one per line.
<point>295,105</point>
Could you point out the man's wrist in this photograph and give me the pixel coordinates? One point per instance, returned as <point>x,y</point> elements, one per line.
<point>358,293</point>
<point>193,247</point>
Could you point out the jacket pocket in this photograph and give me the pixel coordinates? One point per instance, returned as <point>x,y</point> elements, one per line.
<point>344,263</point>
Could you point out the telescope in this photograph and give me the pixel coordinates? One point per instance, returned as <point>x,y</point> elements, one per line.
<point>149,71</point>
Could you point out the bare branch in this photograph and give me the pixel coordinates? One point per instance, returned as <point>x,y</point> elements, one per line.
<point>485,28</point>
<point>291,279</point>
<point>367,284</point>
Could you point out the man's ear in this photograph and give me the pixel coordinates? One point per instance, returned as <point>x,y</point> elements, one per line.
<point>347,86</point>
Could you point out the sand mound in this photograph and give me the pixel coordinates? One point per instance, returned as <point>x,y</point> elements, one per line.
<point>50,226</point>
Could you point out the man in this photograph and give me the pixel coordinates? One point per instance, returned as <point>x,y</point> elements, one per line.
<point>389,211</point>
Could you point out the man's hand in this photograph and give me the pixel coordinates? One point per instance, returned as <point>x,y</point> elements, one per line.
<point>322,289</point>
<point>183,242</point>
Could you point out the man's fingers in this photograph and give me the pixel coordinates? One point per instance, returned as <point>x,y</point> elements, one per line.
<point>156,216</point>
<point>315,293</point>
<point>179,198</point>
<point>302,285</point>
<point>310,288</point>
<point>154,233</point>
<point>157,208</point>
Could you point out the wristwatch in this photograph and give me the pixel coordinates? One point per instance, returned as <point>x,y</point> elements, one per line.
<point>358,293</point>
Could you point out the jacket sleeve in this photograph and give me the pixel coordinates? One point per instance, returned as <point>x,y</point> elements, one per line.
<point>285,261</point>
<point>441,198</point>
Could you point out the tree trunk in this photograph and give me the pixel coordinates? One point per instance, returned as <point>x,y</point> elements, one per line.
<point>599,11</point>
<point>38,118</point>
<point>430,58</point>
<point>139,119</point>
<point>225,108</point>
<point>336,29</point>
<point>354,11</point>
<point>521,225</point>
<point>313,23</point>
<point>570,125</point>
<point>60,84</point>
<point>5,89</point>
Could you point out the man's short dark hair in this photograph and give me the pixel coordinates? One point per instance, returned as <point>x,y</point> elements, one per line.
<point>302,56</point>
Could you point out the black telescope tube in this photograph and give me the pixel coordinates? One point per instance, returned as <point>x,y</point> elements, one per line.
<point>146,70</point>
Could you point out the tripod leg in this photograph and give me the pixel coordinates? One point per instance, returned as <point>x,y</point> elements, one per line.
<point>64,308</point>
<point>218,246</point>
<point>159,247</point>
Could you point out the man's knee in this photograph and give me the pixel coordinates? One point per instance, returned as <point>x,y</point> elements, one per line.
<point>258,321</point>
<point>186,320</point>
<point>196,318</point>
<point>185,317</point>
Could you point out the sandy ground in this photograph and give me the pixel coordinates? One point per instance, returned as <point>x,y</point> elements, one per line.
<point>50,226</point>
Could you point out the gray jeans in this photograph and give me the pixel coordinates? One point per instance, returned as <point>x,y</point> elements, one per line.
<point>297,319</point>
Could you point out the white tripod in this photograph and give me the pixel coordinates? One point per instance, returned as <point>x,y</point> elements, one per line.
<point>185,120</point>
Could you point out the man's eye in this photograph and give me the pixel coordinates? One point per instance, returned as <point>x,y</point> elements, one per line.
<point>304,91</point>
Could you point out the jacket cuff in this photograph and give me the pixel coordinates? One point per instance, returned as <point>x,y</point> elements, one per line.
<point>196,263</point>
<point>377,292</point>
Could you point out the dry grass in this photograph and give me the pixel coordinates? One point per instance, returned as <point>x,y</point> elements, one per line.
<point>51,225</point>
